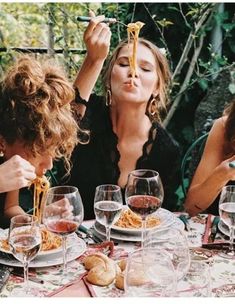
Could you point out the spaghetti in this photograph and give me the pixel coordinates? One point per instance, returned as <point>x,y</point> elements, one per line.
<point>41,186</point>
<point>129,219</point>
<point>49,241</point>
<point>133,30</point>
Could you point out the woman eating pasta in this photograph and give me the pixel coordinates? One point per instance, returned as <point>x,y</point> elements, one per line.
<point>36,124</point>
<point>125,128</point>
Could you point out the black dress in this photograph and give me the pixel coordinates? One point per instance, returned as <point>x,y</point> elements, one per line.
<point>96,163</point>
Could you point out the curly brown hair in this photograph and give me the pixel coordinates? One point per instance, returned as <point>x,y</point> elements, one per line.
<point>229,146</point>
<point>35,108</point>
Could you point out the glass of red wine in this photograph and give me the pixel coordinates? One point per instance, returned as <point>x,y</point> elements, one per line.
<point>63,213</point>
<point>107,205</point>
<point>144,194</point>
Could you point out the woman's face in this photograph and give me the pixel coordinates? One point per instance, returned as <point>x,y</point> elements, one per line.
<point>144,83</point>
<point>42,162</point>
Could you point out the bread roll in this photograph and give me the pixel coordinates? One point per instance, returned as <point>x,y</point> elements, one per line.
<point>102,270</point>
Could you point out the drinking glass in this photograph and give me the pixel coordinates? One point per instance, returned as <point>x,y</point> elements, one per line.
<point>175,243</point>
<point>149,273</point>
<point>227,215</point>
<point>144,194</point>
<point>63,214</point>
<point>197,281</point>
<point>107,205</point>
<point>25,241</point>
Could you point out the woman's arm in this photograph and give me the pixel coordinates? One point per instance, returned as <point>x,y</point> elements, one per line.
<point>97,39</point>
<point>213,172</point>
<point>12,207</point>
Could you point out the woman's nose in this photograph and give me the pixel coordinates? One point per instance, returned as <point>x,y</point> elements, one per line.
<point>136,72</point>
<point>47,164</point>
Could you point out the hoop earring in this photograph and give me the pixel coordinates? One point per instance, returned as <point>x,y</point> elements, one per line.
<point>152,109</point>
<point>108,98</point>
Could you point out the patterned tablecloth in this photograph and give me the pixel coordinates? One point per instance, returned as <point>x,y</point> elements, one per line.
<point>222,270</point>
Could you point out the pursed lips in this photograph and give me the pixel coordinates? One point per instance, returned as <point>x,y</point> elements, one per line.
<point>130,83</point>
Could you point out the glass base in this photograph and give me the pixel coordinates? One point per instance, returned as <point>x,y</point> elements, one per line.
<point>22,291</point>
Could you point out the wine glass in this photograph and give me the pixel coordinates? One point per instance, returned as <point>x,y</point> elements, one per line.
<point>144,194</point>
<point>63,213</point>
<point>175,243</point>
<point>25,241</point>
<point>149,273</point>
<point>197,281</point>
<point>107,205</point>
<point>227,215</point>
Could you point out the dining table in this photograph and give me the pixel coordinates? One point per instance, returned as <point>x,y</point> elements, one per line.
<point>45,281</point>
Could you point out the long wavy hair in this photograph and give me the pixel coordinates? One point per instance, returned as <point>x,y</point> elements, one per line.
<point>163,72</point>
<point>35,108</point>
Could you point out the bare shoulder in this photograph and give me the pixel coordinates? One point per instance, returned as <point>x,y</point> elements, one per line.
<point>218,128</point>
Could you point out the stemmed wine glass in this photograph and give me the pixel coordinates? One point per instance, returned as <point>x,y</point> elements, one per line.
<point>25,241</point>
<point>227,215</point>
<point>63,213</point>
<point>149,273</point>
<point>175,243</point>
<point>144,194</point>
<point>107,205</point>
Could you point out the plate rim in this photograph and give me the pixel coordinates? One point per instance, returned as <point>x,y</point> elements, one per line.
<point>80,245</point>
<point>41,253</point>
<point>138,230</point>
<point>132,237</point>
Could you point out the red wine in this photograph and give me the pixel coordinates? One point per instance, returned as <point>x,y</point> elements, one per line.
<point>63,227</point>
<point>143,204</point>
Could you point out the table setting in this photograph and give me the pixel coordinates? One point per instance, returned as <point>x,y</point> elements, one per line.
<point>138,249</point>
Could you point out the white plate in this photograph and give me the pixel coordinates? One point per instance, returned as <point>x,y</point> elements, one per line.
<point>166,217</point>
<point>4,235</point>
<point>224,228</point>
<point>77,249</point>
<point>115,235</point>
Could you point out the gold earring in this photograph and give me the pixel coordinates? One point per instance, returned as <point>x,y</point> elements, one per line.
<point>1,154</point>
<point>108,98</point>
<point>153,106</point>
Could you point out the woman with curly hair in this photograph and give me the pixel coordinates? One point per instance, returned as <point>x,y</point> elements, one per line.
<point>36,125</point>
<point>214,170</point>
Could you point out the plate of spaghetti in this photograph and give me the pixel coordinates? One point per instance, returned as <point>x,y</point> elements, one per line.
<point>129,222</point>
<point>51,243</point>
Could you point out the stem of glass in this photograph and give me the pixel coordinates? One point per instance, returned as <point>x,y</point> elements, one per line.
<point>26,276</point>
<point>231,249</point>
<point>143,231</point>
<point>108,230</point>
<point>64,246</point>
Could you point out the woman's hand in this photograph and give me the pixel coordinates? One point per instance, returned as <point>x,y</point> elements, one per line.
<point>97,38</point>
<point>16,173</point>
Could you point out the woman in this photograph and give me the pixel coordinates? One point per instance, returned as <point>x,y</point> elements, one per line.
<point>36,124</point>
<point>125,130</point>
<point>213,171</point>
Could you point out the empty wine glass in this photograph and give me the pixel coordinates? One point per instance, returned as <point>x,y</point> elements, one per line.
<point>149,273</point>
<point>25,241</point>
<point>227,215</point>
<point>144,194</point>
<point>175,243</point>
<point>107,205</point>
<point>197,281</point>
<point>63,214</point>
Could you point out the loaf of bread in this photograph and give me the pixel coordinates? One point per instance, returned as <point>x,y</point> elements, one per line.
<point>102,269</point>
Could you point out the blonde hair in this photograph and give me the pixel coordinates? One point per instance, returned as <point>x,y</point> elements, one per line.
<point>35,108</point>
<point>163,72</point>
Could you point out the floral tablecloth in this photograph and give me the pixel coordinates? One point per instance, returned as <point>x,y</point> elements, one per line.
<point>222,270</point>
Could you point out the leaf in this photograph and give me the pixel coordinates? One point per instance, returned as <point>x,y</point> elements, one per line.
<point>203,83</point>
<point>231,88</point>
